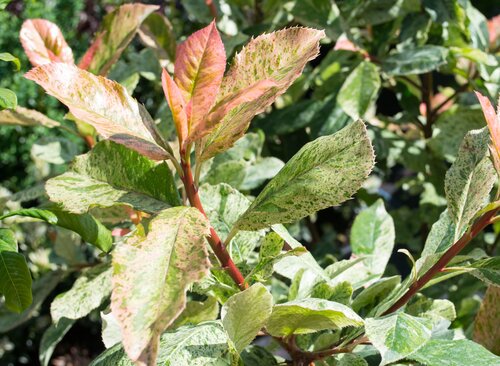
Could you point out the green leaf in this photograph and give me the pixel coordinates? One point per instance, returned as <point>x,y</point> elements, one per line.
<point>257,356</point>
<point>359,91</point>
<point>310,315</point>
<point>157,33</point>
<point>372,295</point>
<point>26,117</point>
<point>351,359</point>
<point>197,312</point>
<point>117,29</point>
<point>54,150</point>
<point>146,299</point>
<point>277,57</point>
<point>396,336</point>
<point>439,352</point>
<point>321,14</point>
<point>15,277</point>
<point>51,337</point>
<point>8,99</point>
<point>201,345</point>
<point>223,205</point>
<point>487,270</point>
<point>418,60</point>
<point>372,236</point>
<point>340,292</point>
<point>470,179</point>
<point>7,57</point>
<point>42,288</point>
<point>486,330</point>
<point>245,313</point>
<point>89,291</point>
<point>105,105</point>
<point>324,173</point>
<point>435,310</point>
<point>94,180</point>
<point>35,213</point>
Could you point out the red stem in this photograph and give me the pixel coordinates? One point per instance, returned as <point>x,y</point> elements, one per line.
<point>214,240</point>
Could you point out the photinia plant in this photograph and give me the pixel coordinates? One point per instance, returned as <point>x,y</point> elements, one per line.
<point>174,300</point>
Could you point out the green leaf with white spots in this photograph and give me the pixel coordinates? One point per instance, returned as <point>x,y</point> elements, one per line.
<point>245,313</point>
<point>396,336</point>
<point>487,270</point>
<point>340,292</point>
<point>15,277</point>
<point>51,337</point>
<point>310,315</point>
<point>223,206</point>
<point>110,174</point>
<point>88,292</point>
<point>486,330</point>
<point>200,345</point>
<point>417,60</point>
<point>152,271</point>
<point>432,309</point>
<point>359,91</point>
<point>368,298</point>
<point>324,173</point>
<point>469,180</point>
<point>372,237</point>
<point>461,352</point>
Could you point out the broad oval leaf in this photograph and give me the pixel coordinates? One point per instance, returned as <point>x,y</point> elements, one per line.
<point>117,30</point>
<point>26,117</point>
<point>470,179</point>
<point>397,335</point>
<point>104,104</point>
<point>151,275</point>
<point>310,315</point>
<point>44,43</point>
<point>417,60</point>
<point>279,57</point>
<point>324,173</point>
<point>245,313</point>
<point>15,277</point>
<point>95,181</point>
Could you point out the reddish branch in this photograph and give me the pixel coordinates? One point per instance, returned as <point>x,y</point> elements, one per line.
<point>215,242</point>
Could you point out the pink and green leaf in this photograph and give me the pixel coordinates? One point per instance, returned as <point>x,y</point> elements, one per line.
<point>118,29</point>
<point>199,69</point>
<point>152,273</point>
<point>177,105</point>
<point>44,43</point>
<point>493,121</point>
<point>279,57</point>
<point>104,104</point>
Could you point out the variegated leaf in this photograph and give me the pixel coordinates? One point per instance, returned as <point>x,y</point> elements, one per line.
<point>486,331</point>
<point>492,119</point>
<point>199,68</point>
<point>324,173</point>
<point>280,57</point>
<point>44,43</point>
<point>152,272</point>
<point>111,174</point>
<point>26,117</point>
<point>104,104</point>
<point>118,29</point>
<point>176,104</point>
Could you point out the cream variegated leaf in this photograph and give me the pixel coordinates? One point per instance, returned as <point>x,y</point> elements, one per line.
<point>26,117</point>
<point>152,271</point>
<point>324,173</point>
<point>118,29</point>
<point>104,104</point>
<point>279,57</point>
<point>44,43</point>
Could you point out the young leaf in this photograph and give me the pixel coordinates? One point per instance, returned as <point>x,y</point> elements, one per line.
<point>177,106</point>
<point>118,29</point>
<point>486,330</point>
<point>44,43</point>
<point>146,299</point>
<point>279,57</point>
<point>324,173</point>
<point>397,335</point>
<point>26,117</point>
<point>458,352</point>
<point>201,345</point>
<point>88,293</point>
<point>15,277</point>
<point>104,104</point>
<point>94,181</point>
<point>373,235</point>
<point>51,337</point>
<point>470,179</point>
<point>418,60</point>
<point>245,313</point>
<point>492,119</point>
<point>310,315</point>
<point>359,90</point>
<point>199,68</point>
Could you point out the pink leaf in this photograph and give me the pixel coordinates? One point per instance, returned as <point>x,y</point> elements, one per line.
<point>102,103</point>
<point>492,120</point>
<point>44,43</point>
<point>177,104</point>
<point>199,68</point>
